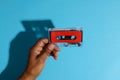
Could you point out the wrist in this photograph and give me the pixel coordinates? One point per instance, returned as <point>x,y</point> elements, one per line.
<point>27,76</point>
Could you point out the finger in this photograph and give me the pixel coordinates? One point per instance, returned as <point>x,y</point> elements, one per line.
<point>55,52</point>
<point>37,48</point>
<point>47,51</point>
<point>55,55</point>
<point>41,42</point>
<point>57,48</point>
<point>35,51</point>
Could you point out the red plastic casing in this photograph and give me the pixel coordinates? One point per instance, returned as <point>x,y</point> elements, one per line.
<point>54,34</point>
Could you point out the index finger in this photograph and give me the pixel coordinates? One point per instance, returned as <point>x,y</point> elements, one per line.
<point>37,48</point>
<point>41,42</point>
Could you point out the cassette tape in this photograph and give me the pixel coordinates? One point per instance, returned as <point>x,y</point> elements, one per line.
<point>66,37</point>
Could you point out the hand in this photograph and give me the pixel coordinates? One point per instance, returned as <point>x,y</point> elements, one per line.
<point>37,58</point>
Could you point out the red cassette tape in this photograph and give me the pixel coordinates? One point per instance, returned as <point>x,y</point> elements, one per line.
<point>66,37</point>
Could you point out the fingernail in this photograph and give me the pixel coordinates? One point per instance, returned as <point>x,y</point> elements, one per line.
<point>57,48</point>
<point>51,47</point>
<point>46,40</point>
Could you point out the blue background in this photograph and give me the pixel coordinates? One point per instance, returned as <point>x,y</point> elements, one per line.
<point>99,56</point>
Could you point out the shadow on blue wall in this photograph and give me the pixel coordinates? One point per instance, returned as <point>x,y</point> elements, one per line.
<point>20,45</point>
